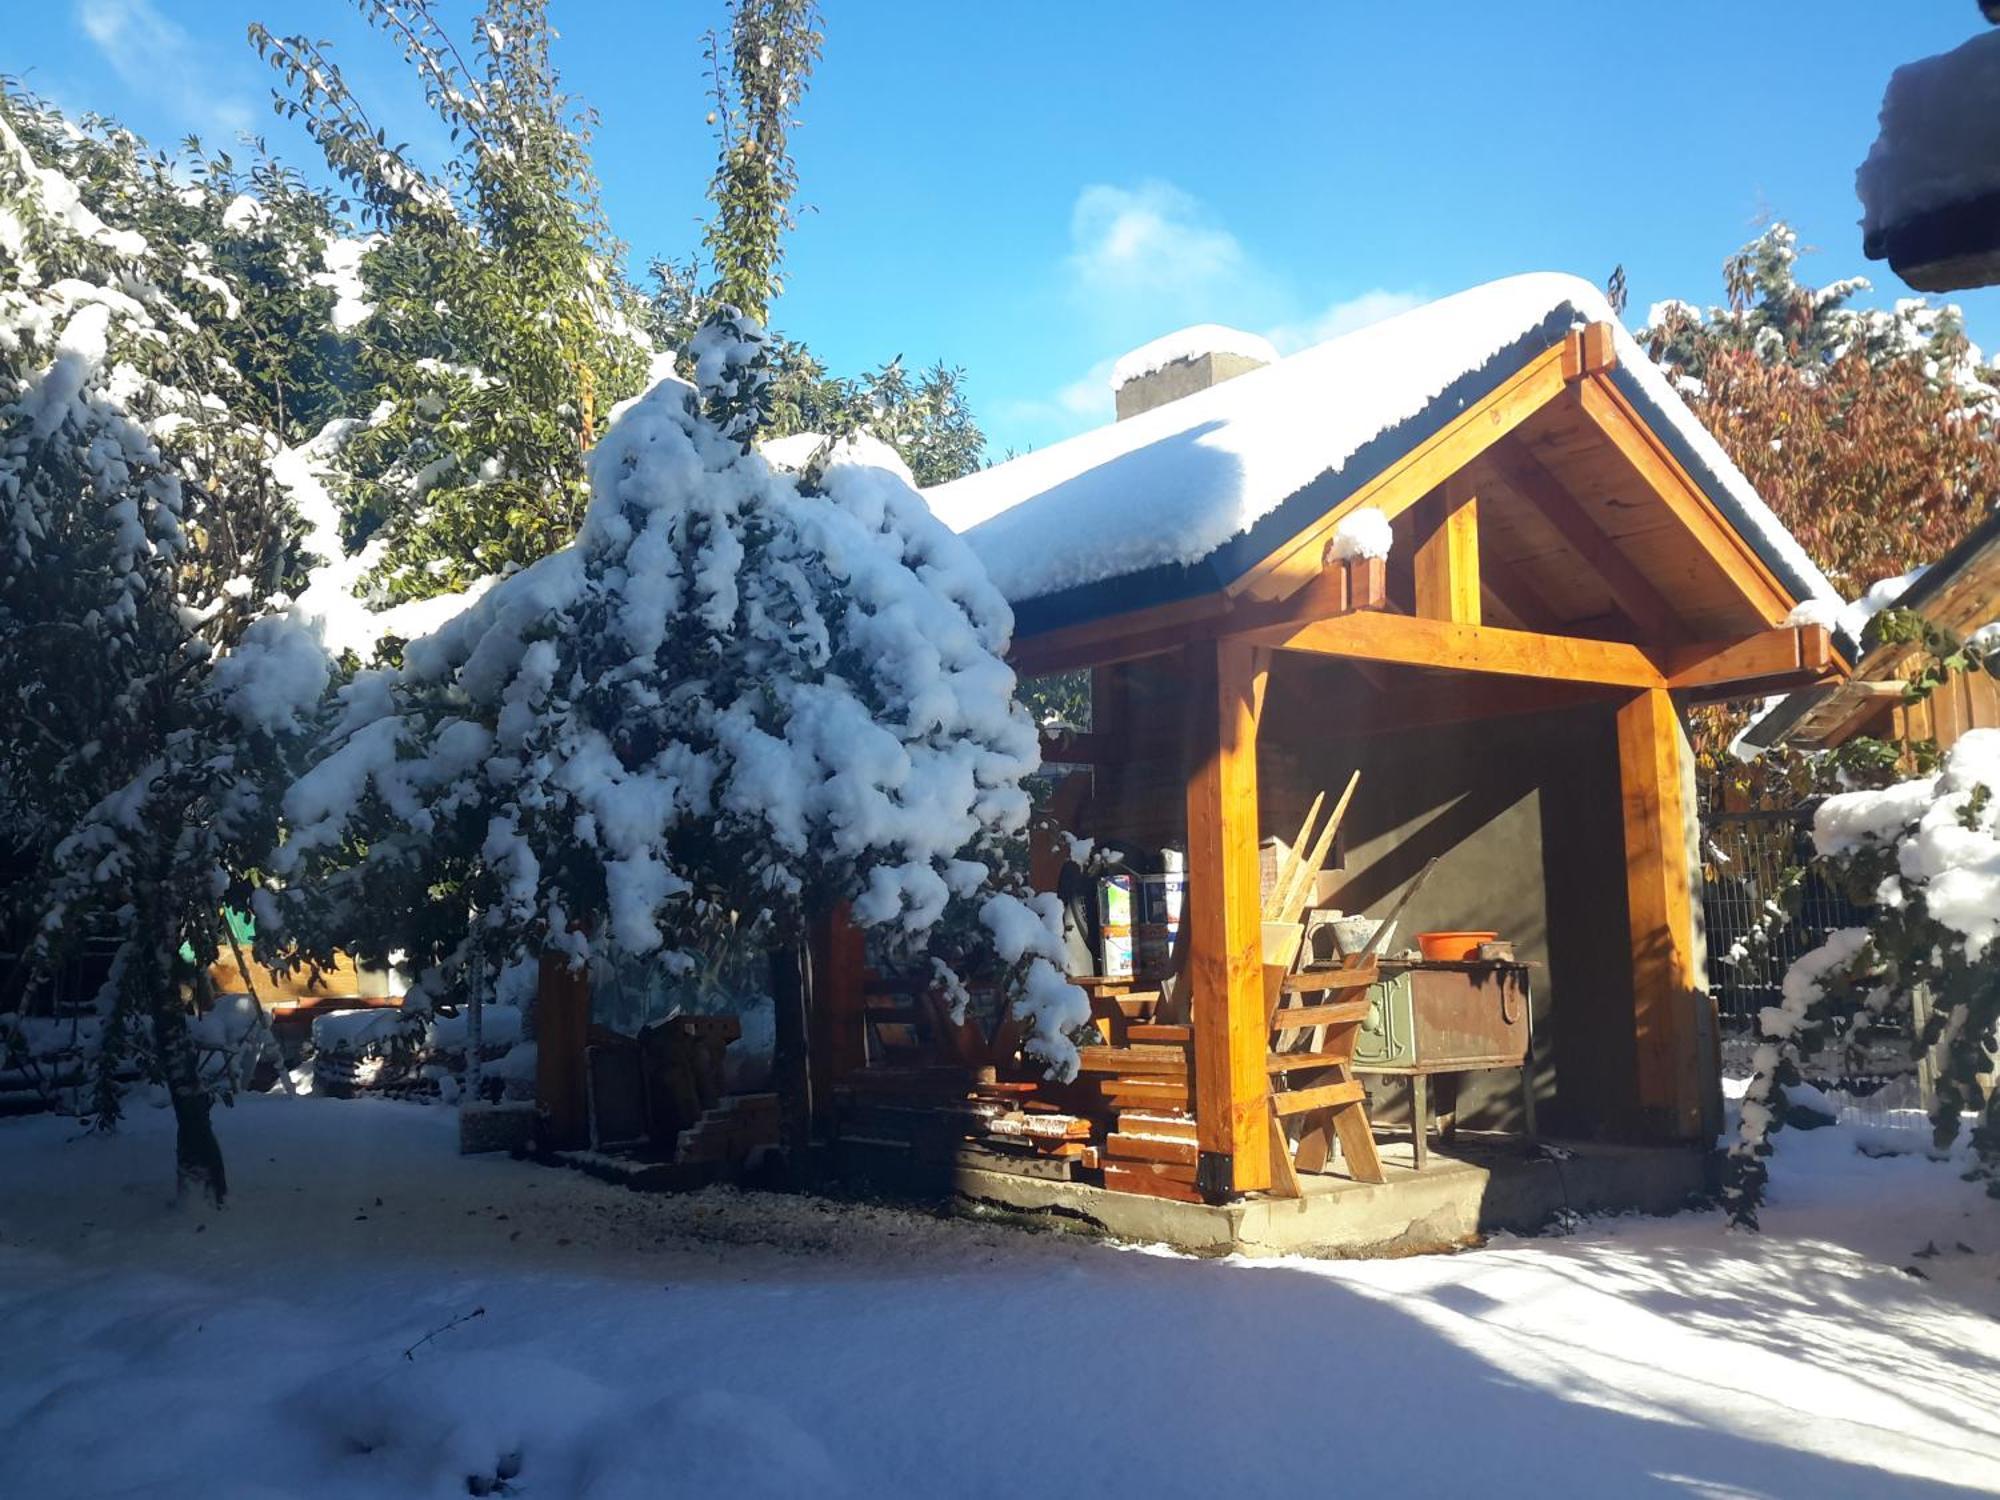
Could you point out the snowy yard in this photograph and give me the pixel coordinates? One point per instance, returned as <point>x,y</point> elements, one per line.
<point>744,1345</point>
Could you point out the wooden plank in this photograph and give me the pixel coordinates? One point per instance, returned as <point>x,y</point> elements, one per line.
<point>1409,478</point>
<point>1325,1096</point>
<point>1447,557</point>
<point>1144,1092</point>
<point>1149,1179</point>
<point>1302,1017</point>
<point>1130,1061</point>
<point>1634,592</point>
<point>1606,407</point>
<point>1451,647</point>
<point>1357,1145</point>
<point>1299,1062</point>
<point>1659,905</point>
<point>1770,661</point>
<point>1145,1122</point>
<point>1141,1032</point>
<point>1150,1148</point>
<point>1224,925</point>
<point>1319,981</point>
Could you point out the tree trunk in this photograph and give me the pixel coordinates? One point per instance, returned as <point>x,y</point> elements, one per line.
<point>791,1070</point>
<point>197,1153</point>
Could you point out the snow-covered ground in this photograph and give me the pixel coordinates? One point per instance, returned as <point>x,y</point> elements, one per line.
<point>731,1344</point>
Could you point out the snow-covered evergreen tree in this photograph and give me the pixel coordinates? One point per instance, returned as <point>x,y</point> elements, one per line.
<point>739,698</point>
<point>150,674</point>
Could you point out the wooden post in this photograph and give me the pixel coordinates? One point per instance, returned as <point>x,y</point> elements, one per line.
<point>562,1031</point>
<point>1659,901</point>
<point>1225,932</point>
<point>838,1010</point>
<point>791,1052</point>
<point>1447,561</point>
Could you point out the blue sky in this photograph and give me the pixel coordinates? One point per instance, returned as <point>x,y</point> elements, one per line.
<point>1030,189</point>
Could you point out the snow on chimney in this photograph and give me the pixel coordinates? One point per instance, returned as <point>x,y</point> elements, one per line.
<point>1185,362</point>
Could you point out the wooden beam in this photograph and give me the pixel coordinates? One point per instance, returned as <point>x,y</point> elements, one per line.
<point>1340,587</point>
<point>1447,559</point>
<point>1635,593</point>
<point>1659,904</point>
<point>1606,407</point>
<point>1407,480</point>
<point>1769,662</point>
<point>1404,641</point>
<point>1462,700</point>
<point>1225,933</point>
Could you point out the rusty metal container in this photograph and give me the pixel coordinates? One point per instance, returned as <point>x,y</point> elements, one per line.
<point>1442,1017</point>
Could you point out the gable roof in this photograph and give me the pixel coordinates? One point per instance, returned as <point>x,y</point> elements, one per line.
<point>1183,500</point>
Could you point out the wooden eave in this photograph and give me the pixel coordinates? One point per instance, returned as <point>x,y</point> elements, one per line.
<point>1960,592</point>
<point>1553,534</point>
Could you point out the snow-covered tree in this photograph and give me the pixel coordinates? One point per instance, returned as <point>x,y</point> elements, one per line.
<point>145,550</point>
<point>743,695</point>
<point>1870,433</point>
<point>1923,857</point>
<point>495,328</point>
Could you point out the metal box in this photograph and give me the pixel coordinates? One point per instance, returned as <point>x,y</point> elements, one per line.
<point>1446,1017</point>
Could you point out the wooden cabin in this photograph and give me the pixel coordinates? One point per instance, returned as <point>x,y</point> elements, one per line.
<point>1571,562</point>
<point>1961,593</point>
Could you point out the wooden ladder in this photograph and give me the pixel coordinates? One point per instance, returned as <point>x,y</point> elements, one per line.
<point>1321,1090</point>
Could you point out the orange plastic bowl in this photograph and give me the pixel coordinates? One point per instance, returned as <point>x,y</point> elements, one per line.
<point>1453,947</point>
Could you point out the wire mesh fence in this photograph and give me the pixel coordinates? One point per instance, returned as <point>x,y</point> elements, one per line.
<point>1748,860</point>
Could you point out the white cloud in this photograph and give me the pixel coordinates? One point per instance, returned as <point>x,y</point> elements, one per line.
<point>155,57</point>
<point>1147,259</point>
<point>1153,243</point>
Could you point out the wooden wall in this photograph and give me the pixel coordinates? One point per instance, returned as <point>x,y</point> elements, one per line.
<point>1966,700</point>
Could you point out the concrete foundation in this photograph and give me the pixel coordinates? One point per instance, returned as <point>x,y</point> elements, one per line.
<point>1470,1190</point>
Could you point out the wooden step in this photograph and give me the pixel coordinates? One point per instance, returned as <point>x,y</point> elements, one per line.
<point>1304,1101</point>
<point>1152,1179</point>
<point>1155,1031</point>
<point>1119,1147</point>
<point>1124,1061</point>
<point>1299,1017</point>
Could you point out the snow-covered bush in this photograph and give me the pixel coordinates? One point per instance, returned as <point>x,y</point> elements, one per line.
<point>738,698</point>
<point>150,674</point>
<point>1924,857</point>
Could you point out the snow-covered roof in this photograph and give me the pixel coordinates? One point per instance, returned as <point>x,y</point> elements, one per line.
<point>1190,343</point>
<point>1179,500</point>
<point>1940,136</point>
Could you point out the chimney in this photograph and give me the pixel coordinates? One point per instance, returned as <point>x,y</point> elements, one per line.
<point>1185,362</point>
